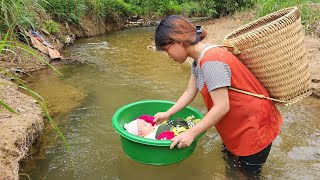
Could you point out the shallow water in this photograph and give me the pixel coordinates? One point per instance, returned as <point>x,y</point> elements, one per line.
<point>125,71</point>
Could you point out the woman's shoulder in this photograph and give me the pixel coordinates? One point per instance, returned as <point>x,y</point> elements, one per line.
<point>217,50</point>
<point>215,53</point>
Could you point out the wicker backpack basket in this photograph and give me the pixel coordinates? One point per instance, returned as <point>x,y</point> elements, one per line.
<point>273,49</point>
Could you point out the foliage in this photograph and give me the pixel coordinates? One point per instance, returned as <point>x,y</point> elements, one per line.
<point>51,26</point>
<point>66,10</point>
<point>107,8</point>
<point>269,6</point>
<point>208,8</point>
<point>155,7</point>
<point>120,6</point>
<point>212,8</point>
<point>309,13</point>
<point>24,13</point>
<point>19,14</point>
<point>225,7</point>
<point>169,7</point>
<point>191,9</point>
<point>98,7</point>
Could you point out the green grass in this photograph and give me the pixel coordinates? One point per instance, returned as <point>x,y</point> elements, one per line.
<point>19,14</point>
<point>51,26</point>
<point>70,11</point>
<point>310,13</point>
<point>310,9</point>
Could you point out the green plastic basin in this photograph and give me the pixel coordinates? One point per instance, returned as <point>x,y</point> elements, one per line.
<point>149,151</point>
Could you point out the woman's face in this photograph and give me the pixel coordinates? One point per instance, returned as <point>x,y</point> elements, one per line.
<point>176,51</point>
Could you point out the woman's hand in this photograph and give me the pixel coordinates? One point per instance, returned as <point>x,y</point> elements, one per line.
<point>183,139</point>
<point>161,116</point>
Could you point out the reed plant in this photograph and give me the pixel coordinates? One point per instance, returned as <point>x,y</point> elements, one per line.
<point>19,14</point>
<point>9,46</point>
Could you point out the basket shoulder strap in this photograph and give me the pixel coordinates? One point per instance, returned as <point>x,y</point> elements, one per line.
<point>256,95</point>
<point>231,49</point>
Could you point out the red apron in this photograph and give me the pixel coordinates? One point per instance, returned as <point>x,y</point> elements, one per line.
<point>251,123</point>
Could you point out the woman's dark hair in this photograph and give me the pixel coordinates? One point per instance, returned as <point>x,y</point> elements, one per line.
<point>177,29</point>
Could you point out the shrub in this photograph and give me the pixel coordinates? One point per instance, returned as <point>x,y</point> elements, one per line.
<point>66,10</point>
<point>51,26</point>
<point>191,9</point>
<point>106,8</point>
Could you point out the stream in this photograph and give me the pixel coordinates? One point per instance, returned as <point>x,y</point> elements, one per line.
<point>121,70</point>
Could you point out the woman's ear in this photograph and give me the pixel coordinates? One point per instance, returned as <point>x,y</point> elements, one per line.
<point>184,45</point>
<point>181,43</point>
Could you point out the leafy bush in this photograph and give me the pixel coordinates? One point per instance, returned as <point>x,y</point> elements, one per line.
<point>169,7</point>
<point>107,8</point>
<point>212,8</point>
<point>155,7</point>
<point>51,26</point>
<point>191,9</point>
<point>208,8</point>
<point>96,7</point>
<point>120,6</point>
<point>225,7</point>
<point>66,10</point>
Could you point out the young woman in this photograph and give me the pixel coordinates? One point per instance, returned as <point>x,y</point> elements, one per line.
<point>246,124</point>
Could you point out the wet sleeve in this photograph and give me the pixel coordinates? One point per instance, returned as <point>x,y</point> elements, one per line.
<point>216,74</point>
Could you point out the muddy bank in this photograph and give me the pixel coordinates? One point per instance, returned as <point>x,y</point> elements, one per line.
<point>18,131</point>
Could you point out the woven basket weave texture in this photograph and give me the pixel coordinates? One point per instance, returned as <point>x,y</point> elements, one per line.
<point>272,47</point>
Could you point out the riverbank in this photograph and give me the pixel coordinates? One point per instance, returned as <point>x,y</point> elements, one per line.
<point>22,129</point>
<point>18,131</point>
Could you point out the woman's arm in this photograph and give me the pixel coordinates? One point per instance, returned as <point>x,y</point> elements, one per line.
<point>221,106</point>
<point>188,95</point>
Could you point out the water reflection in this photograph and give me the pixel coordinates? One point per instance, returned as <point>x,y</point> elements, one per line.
<point>126,71</point>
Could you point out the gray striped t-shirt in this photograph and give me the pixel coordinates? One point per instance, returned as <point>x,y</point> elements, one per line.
<point>215,74</point>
